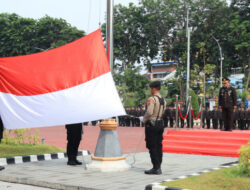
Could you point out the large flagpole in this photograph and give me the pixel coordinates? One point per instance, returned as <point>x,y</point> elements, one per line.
<point>109,32</point>
<point>188,54</point>
<point>108,155</point>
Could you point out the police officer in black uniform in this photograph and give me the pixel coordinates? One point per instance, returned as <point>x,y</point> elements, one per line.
<point>220,119</point>
<point>204,115</point>
<point>208,117</point>
<point>74,137</point>
<point>248,118</point>
<point>93,123</point>
<point>236,117</point>
<point>1,136</point>
<point>215,117</point>
<point>245,119</point>
<point>167,115</point>
<point>172,117</point>
<point>227,102</point>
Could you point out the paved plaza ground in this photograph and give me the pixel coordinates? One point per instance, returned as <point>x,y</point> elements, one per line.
<point>56,174</point>
<point>129,138</point>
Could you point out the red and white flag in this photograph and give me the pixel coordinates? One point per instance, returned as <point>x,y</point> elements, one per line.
<point>69,84</point>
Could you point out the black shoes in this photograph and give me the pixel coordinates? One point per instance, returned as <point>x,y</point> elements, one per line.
<point>226,130</point>
<point>74,163</point>
<point>1,168</point>
<point>78,163</point>
<point>71,163</point>
<point>153,171</point>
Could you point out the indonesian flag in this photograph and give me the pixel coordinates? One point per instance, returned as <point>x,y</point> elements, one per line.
<point>69,84</point>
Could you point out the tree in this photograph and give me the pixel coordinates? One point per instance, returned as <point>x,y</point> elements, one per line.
<point>22,36</point>
<point>240,32</point>
<point>132,87</point>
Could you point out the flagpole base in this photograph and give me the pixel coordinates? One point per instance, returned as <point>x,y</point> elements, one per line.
<point>109,166</point>
<point>108,155</point>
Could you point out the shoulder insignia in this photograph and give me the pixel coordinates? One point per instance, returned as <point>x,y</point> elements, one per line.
<point>149,100</point>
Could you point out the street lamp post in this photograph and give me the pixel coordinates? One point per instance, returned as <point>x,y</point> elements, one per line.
<point>221,59</point>
<point>188,54</point>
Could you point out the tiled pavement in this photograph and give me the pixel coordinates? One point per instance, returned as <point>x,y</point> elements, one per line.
<point>56,174</point>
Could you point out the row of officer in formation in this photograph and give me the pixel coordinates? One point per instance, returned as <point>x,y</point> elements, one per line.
<point>210,118</point>
<point>214,118</point>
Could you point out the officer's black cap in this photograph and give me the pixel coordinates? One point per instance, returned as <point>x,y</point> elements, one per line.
<point>226,79</point>
<point>155,84</point>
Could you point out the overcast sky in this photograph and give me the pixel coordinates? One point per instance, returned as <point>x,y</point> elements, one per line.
<point>84,14</point>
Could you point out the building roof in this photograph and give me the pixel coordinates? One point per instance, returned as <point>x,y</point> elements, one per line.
<point>165,63</point>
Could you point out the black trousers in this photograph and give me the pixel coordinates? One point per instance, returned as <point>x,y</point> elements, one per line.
<point>154,137</point>
<point>221,124</point>
<point>171,122</point>
<point>192,123</point>
<point>165,121</point>
<point>74,136</point>
<point>1,129</point>
<point>227,117</point>
<point>203,123</point>
<point>182,123</point>
<point>215,123</point>
<point>242,124</point>
<point>208,123</point>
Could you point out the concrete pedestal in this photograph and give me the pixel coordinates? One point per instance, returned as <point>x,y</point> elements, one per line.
<point>108,154</point>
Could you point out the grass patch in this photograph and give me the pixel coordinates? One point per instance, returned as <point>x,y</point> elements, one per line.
<point>10,150</point>
<point>224,179</point>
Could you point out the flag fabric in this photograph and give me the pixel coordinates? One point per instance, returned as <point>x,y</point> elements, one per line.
<point>69,84</point>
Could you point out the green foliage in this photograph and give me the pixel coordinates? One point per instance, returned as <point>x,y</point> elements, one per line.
<point>132,87</point>
<point>223,179</point>
<point>157,29</point>
<point>10,150</point>
<point>242,95</point>
<point>244,160</point>
<point>195,102</point>
<point>22,36</point>
<point>21,136</point>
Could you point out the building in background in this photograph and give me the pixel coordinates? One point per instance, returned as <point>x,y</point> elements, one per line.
<point>163,71</point>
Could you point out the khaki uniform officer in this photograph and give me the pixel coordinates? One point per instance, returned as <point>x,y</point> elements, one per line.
<point>154,127</point>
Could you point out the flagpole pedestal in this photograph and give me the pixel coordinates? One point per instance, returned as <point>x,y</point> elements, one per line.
<point>108,155</point>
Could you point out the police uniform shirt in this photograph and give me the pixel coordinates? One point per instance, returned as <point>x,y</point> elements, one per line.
<point>153,106</point>
<point>227,97</point>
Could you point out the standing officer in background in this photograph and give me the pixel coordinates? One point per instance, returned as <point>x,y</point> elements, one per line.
<point>165,119</point>
<point>227,102</point>
<point>1,136</point>
<point>248,117</point>
<point>172,117</point>
<point>204,115</point>
<point>242,116</point>
<point>74,137</point>
<point>208,117</point>
<point>245,119</point>
<point>220,119</point>
<point>236,118</point>
<point>154,127</point>
<point>167,115</point>
<point>215,117</point>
